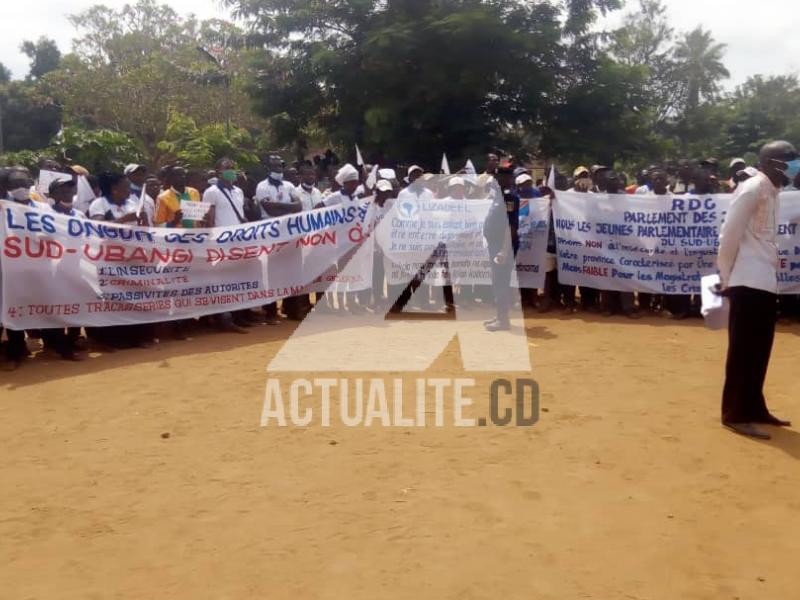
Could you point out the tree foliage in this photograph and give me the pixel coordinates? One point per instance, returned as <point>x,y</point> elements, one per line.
<point>44,57</point>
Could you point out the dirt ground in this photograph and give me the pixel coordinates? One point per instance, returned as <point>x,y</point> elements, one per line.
<point>626,488</point>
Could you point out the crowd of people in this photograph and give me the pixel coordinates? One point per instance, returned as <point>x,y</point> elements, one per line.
<point>137,195</point>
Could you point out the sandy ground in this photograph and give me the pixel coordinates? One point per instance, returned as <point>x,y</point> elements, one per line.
<point>627,487</point>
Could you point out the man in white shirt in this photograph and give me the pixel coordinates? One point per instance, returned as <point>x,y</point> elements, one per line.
<point>307,192</point>
<point>137,175</point>
<point>748,269</point>
<point>309,196</point>
<point>277,198</point>
<point>274,194</point>
<point>225,198</point>
<point>227,209</point>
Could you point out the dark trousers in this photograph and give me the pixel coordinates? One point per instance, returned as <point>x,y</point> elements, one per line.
<point>751,330</point>
<point>16,348</point>
<point>588,297</point>
<point>568,291</point>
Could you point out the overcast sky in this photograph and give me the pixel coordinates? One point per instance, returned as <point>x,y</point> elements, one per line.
<point>761,39</point>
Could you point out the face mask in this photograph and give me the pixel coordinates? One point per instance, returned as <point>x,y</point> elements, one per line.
<point>307,187</point>
<point>792,169</point>
<point>276,176</point>
<point>229,175</point>
<point>20,194</point>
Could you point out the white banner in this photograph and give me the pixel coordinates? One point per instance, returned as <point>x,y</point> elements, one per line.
<point>656,244</point>
<point>534,220</point>
<point>445,238</point>
<point>63,271</point>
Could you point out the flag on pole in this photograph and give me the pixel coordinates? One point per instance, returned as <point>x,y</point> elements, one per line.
<point>140,205</point>
<point>551,178</point>
<point>373,178</point>
<point>359,158</point>
<point>445,165</point>
<point>470,168</point>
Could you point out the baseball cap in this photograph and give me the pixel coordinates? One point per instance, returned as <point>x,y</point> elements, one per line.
<point>456,181</point>
<point>578,171</point>
<point>132,168</point>
<point>736,161</point>
<point>384,186</point>
<point>523,179</point>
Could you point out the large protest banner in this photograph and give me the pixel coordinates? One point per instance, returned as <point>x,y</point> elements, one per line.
<point>534,221</point>
<point>63,271</point>
<point>656,244</point>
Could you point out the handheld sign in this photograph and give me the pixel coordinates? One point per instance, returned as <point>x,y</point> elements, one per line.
<point>194,211</point>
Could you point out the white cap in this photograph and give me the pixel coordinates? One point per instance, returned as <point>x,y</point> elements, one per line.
<point>456,181</point>
<point>750,171</point>
<point>523,178</point>
<point>132,168</point>
<point>346,173</point>
<point>387,174</point>
<point>737,160</point>
<point>413,168</point>
<point>384,186</point>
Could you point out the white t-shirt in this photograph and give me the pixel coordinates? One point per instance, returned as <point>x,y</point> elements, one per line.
<point>308,198</point>
<point>224,213</point>
<point>102,205</point>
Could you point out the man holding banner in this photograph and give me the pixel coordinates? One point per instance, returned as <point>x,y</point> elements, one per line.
<point>748,265</point>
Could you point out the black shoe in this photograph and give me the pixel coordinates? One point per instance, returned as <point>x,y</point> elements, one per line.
<point>747,429</point>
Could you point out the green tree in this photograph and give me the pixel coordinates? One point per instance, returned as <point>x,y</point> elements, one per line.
<point>97,149</point>
<point>44,56</point>
<point>762,109</point>
<point>410,79</point>
<point>30,118</point>
<point>645,39</point>
<point>700,63</point>
<point>202,146</point>
<point>132,66</point>
<point>5,74</point>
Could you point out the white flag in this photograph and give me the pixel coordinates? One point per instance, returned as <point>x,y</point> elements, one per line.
<point>470,168</point>
<point>551,178</point>
<point>445,165</point>
<point>140,205</point>
<point>359,158</point>
<point>373,178</point>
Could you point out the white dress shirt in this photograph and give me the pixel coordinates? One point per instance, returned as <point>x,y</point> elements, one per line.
<point>748,249</point>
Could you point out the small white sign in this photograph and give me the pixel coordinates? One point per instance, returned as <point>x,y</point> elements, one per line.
<point>194,211</point>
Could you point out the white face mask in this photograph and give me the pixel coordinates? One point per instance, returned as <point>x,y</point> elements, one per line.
<point>20,194</point>
<point>276,176</point>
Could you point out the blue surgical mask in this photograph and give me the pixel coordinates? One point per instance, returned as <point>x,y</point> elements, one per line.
<point>276,176</point>
<point>792,169</point>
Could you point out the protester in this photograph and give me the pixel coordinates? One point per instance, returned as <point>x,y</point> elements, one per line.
<point>748,262</point>
<point>501,233</point>
<point>168,204</point>
<point>137,175</point>
<point>227,209</point>
<point>116,205</point>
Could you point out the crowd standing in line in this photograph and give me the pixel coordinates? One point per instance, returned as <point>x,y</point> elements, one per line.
<point>138,196</point>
